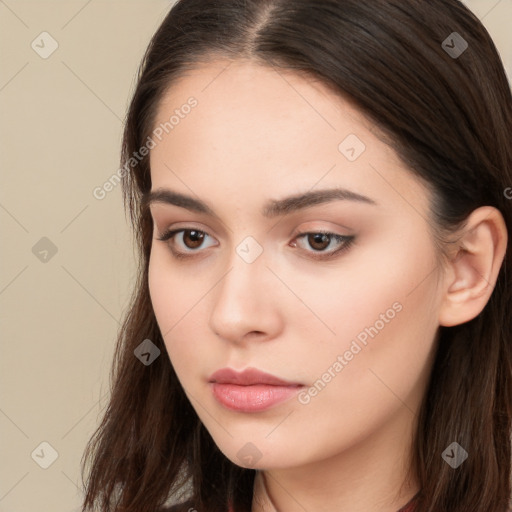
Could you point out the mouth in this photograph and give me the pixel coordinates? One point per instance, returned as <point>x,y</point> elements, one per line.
<point>251,390</point>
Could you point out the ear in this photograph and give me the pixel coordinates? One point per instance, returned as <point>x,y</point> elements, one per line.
<point>472,272</point>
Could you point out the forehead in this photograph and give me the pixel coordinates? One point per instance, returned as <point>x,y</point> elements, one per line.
<point>261,100</point>
<point>255,127</point>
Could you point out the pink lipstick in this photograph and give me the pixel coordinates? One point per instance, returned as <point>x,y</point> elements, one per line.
<point>251,390</point>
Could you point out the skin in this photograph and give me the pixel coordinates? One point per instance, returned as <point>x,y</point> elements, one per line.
<point>259,134</point>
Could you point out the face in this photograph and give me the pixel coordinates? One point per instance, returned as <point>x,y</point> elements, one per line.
<point>335,293</point>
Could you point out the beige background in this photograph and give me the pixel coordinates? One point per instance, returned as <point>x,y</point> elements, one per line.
<point>60,131</point>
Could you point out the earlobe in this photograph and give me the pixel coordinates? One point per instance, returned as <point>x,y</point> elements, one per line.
<point>472,273</point>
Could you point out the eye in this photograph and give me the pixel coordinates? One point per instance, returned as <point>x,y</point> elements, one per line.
<point>188,241</point>
<point>191,240</point>
<point>319,241</point>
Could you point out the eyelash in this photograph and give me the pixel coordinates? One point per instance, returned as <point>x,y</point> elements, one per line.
<point>345,240</point>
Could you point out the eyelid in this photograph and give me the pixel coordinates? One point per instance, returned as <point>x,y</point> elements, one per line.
<point>320,227</point>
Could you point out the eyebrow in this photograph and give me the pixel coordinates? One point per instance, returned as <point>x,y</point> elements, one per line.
<point>273,207</point>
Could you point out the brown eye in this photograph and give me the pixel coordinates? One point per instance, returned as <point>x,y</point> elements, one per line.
<point>319,241</point>
<point>193,238</point>
<point>185,243</point>
<point>323,245</point>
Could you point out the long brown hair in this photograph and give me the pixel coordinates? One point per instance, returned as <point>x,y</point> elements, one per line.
<point>449,118</point>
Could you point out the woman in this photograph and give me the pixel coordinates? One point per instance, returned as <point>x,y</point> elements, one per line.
<point>320,191</point>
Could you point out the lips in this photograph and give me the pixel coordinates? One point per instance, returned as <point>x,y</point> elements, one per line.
<point>251,390</point>
<point>248,377</point>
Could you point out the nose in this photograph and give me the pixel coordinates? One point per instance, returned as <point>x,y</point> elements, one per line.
<point>245,304</point>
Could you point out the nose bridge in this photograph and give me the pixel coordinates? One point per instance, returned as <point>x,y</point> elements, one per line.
<point>241,303</point>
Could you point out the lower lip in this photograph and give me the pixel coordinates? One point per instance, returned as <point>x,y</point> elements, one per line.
<point>258,397</point>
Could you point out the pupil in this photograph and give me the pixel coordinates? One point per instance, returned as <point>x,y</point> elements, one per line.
<point>320,238</point>
<point>196,238</point>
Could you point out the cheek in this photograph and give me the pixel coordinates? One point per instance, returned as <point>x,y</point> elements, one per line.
<point>173,289</point>
<point>178,297</point>
<point>355,387</point>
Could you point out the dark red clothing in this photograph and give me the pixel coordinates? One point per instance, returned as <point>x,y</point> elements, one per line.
<point>409,507</point>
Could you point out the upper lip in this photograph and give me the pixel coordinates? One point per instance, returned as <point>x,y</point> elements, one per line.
<point>248,377</point>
